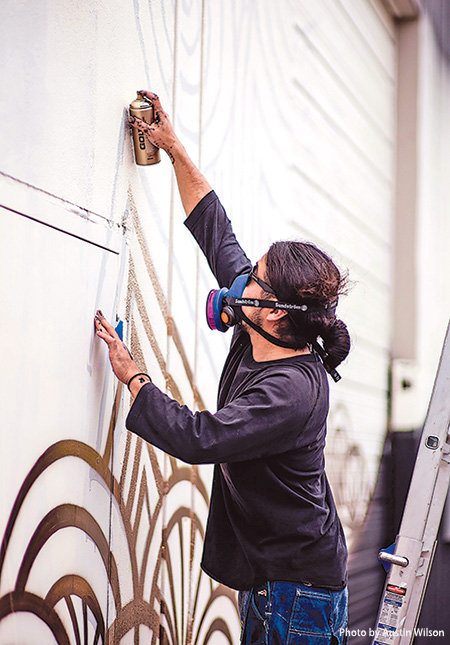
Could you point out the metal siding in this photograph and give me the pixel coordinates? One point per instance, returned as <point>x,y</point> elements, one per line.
<point>288,107</point>
<point>345,166</point>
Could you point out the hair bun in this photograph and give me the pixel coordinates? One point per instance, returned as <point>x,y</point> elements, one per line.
<point>336,342</point>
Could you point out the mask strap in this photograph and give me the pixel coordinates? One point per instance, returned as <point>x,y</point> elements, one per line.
<point>281,343</point>
<point>234,301</point>
<point>324,358</point>
<point>265,334</point>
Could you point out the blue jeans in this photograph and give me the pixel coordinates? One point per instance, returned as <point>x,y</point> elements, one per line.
<point>287,613</point>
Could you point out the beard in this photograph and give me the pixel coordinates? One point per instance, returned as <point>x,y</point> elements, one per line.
<point>256,316</point>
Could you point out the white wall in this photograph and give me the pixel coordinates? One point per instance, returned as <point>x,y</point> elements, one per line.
<point>433,268</point>
<point>56,407</point>
<point>288,108</point>
<point>422,296</point>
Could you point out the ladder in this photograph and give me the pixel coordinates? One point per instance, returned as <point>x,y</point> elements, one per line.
<point>411,560</point>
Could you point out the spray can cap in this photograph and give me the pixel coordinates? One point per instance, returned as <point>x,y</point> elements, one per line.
<point>141,103</point>
<point>144,99</point>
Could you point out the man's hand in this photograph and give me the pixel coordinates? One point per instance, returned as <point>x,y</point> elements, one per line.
<point>160,133</point>
<point>121,362</point>
<point>191,182</point>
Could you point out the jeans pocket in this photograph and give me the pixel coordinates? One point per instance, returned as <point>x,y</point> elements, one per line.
<point>254,624</point>
<point>310,618</point>
<point>340,615</point>
<point>259,603</point>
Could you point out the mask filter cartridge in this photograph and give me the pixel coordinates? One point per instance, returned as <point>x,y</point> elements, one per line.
<point>219,315</point>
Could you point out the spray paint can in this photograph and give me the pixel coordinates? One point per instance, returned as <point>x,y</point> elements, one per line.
<point>146,153</point>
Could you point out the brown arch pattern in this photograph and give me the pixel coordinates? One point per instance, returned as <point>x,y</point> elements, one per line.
<point>138,611</point>
<point>130,500</point>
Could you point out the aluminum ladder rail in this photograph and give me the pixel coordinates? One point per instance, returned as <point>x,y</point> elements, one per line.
<point>416,541</point>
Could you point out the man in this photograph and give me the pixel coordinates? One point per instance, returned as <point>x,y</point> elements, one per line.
<point>273,532</point>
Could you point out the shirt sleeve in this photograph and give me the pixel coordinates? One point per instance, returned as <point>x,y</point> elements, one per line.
<point>212,230</point>
<point>269,418</point>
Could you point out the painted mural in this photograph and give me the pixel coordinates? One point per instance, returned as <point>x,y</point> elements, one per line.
<point>132,572</point>
<point>101,533</point>
<point>191,608</point>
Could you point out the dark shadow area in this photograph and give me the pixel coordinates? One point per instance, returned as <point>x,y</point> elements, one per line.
<point>366,575</point>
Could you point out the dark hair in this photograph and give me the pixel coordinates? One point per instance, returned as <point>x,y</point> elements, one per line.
<point>300,272</point>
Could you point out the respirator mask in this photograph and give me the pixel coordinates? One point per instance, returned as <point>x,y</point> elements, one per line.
<point>224,310</point>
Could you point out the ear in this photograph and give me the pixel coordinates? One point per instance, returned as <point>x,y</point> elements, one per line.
<point>275,315</point>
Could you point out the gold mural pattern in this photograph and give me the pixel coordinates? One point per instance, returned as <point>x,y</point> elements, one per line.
<point>148,606</point>
<point>171,596</point>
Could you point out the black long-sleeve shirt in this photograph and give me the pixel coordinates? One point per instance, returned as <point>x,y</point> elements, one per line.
<point>272,514</point>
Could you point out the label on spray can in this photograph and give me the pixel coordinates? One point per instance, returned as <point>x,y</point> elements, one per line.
<point>145,152</point>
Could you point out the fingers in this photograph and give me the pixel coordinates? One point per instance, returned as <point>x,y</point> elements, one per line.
<point>101,333</point>
<point>157,107</point>
<point>145,128</point>
<point>104,329</point>
<point>107,332</point>
<point>109,328</point>
<point>154,98</point>
<point>104,336</point>
<point>139,124</point>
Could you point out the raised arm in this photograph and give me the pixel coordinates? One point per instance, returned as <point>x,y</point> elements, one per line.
<point>209,224</point>
<point>191,183</point>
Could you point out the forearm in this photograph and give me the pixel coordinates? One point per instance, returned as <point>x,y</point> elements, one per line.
<point>192,185</point>
<point>252,426</point>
